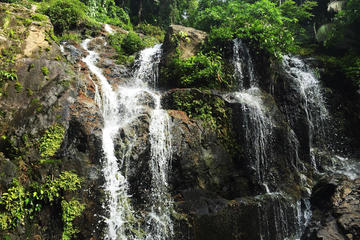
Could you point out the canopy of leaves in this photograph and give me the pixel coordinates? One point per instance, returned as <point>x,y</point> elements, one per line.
<point>345,25</point>
<point>263,23</point>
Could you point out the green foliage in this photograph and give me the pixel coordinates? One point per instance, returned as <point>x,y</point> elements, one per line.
<point>74,37</point>
<point>132,43</point>
<point>20,203</point>
<point>53,188</point>
<point>352,71</point>
<point>13,201</point>
<point>18,87</point>
<point>151,31</point>
<point>45,71</point>
<point>71,210</point>
<point>5,75</point>
<point>180,36</point>
<point>344,26</point>
<point>203,70</point>
<point>296,15</point>
<point>39,17</point>
<point>65,14</point>
<point>51,141</point>
<point>212,110</point>
<point>263,24</point>
<point>108,12</point>
<point>128,44</point>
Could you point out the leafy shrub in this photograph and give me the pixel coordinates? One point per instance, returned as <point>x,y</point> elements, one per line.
<point>21,203</point>
<point>51,140</point>
<point>71,210</point>
<point>65,14</point>
<point>203,71</point>
<point>39,17</point>
<point>132,43</point>
<point>262,23</point>
<point>151,30</point>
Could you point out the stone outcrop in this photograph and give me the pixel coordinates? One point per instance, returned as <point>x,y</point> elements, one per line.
<point>47,90</point>
<point>336,210</point>
<point>186,40</point>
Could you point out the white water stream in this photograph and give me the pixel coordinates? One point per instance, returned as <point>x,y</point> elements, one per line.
<point>120,107</point>
<point>257,124</point>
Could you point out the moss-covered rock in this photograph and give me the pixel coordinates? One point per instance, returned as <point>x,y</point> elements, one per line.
<point>183,40</point>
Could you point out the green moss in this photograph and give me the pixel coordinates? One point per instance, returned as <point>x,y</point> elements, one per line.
<point>18,87</point>
<point>75,37</point>
<point>39,17</point>
<point>29,92</point>
<point>51,140</point>
<point>45,71</point>
<point>213,111</point>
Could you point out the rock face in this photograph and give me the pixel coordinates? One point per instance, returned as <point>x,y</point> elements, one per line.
<point>184,39</point>
<point>218,191</point>
<point>46,91</point>
<point>336,210</point>
<point>226,183</point>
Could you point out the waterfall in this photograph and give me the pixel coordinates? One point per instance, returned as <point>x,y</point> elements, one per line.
<point>120,107</point>
<point>310,91</point>
<point>116,185</point>
<point>243,65</point>
<point>159,223</point>
<point>257,124</point>
<point>279,219</point>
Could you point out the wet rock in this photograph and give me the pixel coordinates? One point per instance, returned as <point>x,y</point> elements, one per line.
<point>73,54</point>
<point>132,149</point>
<point>335,203</point>
<point>8,172</point>
<point>213,217</point>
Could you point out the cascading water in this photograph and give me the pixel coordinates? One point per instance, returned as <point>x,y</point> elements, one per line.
<point>310,91</point>
<point>317,115</point>
<point>257,127</point>
<point>243,65</point>
<point>257,124</point>
<point>120,107</point>
<point>287,220</point>
<point>115,183</point>
<point>159,223</point>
